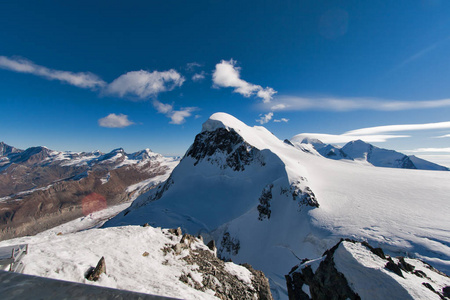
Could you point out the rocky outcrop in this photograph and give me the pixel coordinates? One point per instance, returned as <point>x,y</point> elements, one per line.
<point>331,276</point>
<point>325,283</point>
<point>93,274</point>
<point>227,280</point>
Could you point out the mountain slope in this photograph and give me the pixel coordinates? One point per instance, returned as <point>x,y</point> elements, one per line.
<point>142,259</point>
<point>269,203</point>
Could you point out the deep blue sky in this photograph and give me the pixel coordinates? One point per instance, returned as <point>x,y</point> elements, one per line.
<point>364,52</point>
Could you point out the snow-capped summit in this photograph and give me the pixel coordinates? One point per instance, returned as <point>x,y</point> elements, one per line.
<point>365,153</point>
<point>7,149</point>
<point>266,202</point>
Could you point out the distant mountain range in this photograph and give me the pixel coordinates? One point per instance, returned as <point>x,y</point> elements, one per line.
<point>362,152</point>
<point>41,188</point>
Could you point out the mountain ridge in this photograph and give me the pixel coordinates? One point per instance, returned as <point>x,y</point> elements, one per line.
<point>360,151</point>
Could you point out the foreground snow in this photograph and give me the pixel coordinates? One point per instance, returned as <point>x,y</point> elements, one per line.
<point>69,256</point>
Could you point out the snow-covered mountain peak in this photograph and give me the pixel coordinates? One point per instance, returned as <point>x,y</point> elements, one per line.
<point>311,141</point>
<point>222,120</point>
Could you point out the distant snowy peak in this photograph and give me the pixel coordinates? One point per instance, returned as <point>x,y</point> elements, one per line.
<point>7,149</point>
<point>366,153</point>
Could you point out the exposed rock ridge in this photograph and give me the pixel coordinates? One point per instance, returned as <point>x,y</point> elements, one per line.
<point>225,148</point>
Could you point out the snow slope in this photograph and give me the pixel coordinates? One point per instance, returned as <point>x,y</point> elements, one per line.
<point>68,257</point>
<point>354,270</point>
<point>257,197</point>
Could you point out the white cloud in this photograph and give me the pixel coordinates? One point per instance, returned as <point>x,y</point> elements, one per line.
<point>374,134</point>
<point>227,74</point>
<point>342,138</point>
<point>176,116</point>
<point>162,107</point>
<point>115,121</point>
<point>179,116</point>
<point>281,120</point>
<point>430,150</point>
<point>442,136</point>
<point>294,103</point>
<point>81,79</point>
<point>265,118</point>
<point>191,66</point>
<point>397,128</point>
<point>145,84</point>
<point>199,76</point>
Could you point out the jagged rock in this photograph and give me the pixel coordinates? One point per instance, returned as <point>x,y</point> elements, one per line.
<point>176,232</point>
<point>93,274</point>
<point>391,266</point>
<point>217,278</point>
<point>212,245</point>
<point>446,291</point>
<point>404,265</point>
<point>264,203</point>
<point>187,239</point>
<point>238,153</point>
<point>146,225</point>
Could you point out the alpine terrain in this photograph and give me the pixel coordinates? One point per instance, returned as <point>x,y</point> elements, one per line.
<point>272,204</point>
<point>41,188</point>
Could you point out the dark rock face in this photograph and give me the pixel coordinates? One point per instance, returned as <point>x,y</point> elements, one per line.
<point>223,142</point>
<point>229,245</point>
<point>305,196</point>
<point>264,203</point>
<point>325,283</point>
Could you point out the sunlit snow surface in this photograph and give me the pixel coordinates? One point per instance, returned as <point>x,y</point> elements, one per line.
<point>367,276</point>
<point>403,211</point>
<point>69,255</point>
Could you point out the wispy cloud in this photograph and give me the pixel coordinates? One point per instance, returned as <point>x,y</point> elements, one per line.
<point>429,150</point>
<point>399,128</point>
<point>227,74</point>
<point>141,84</point>
<point>192,66</point>
<point>281,120</point>
<point>294,103</point>
<point>198,76</point>
<point>80,79</point>
<point>443,136</point>
<point>419,54</point>
<point>373,134</point>
<point>176,116</point>
<point>342,138</point>
<point>144,84</point>
<point>115,121</point>
<point>265,118</point>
